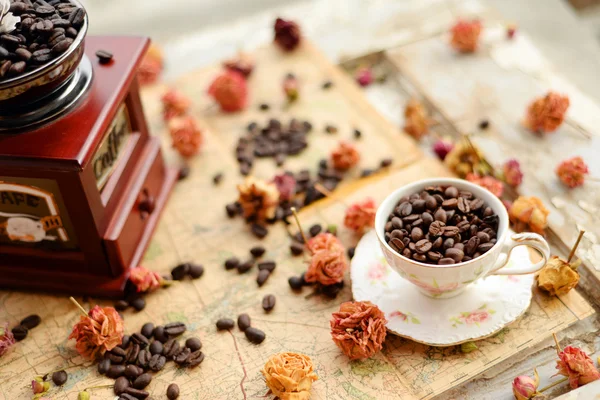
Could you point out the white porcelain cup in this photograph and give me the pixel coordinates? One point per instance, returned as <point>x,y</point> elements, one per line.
<point>444,281</point>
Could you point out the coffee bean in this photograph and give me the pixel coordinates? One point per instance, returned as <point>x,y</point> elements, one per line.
<point>451,192</point>
<point>315,230</point>
<point>159,334</point>
<point>455,254</point>
<point>157,362</point>
<point>59,378</point>
<point>182,357</point>
<point>104,57</point>
<point>121,384</point>
<point>19,332</point>
<point>450,231</point>
<point>173,391</point>
<point>257,251</point>
<point>243,321</point>
<point>103,366</point>
<point>416,234</point>
<point>195,359</point>
<point>267,265</point>
<point>194,343</point>
<point>133,371</point>
<point>138,303</point>
<point>484,247</point>
<point>115,371</point>
<point>484,124</point>
<point>121,305</point>
<point>31,321</point>
<point>76,18</point>
<point>175,328</point>
<point>126,396</point>
<point>259,230</point>
<point>434,256</point>
<point>263,276</point>
<point>463,205</point>
<point>142,381</point>
<point>133,353</point>
<point>225,324</point>
<point>156,347</point>
<point>446,261</point>
<point>140,340</point>
<point>423,246</point>
<point>268,302</point>
<point>137,393</point>
<point>436,228</point>
<point>386,162</point>
<point>179,272</point>
<point>296,248</point>
<point>295,282</point>
<point>245,266</point>
<point>232,210</point>
<point>125,342</point>
<point>119,352</point>
<point>476,204</point>
<point>196,271</point>
<point>171,348</point>
<point>147,329</point>
<point>405,209</point>
<point>232,263</point>
<point>255,335</point>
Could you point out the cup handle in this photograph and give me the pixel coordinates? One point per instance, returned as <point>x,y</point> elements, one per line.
<point>529,239</point>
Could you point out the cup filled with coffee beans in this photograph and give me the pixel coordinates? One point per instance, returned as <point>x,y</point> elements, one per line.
<point>444,234</point>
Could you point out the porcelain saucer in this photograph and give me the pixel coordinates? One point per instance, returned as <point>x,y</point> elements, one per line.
<point>482,310</point>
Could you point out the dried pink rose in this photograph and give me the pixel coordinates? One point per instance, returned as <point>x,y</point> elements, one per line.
<point>328,261</point>
<point>175,104</point>
<point>361,215</point>
<point>524,387</point>
<point>442,147</point>
<point>364,76</point>
<point>345,156</point>
<point>242,63</point>
<point>186,135</point>
<point>287,34</point>
<point>7,340</point>
<point>145,280</point>
<point>577,366</point>
<point>572,172</point>
<point>286,184</point>
<point>98,332</point>
<point>465,35</point>
<point>152,66</point>
<point>488,182</point>
<point>230,90</point>
<point>547,113</point>
<point>528,214</point>
<point>290,88</point>
<point>358,329</point>
<point>512,173</point>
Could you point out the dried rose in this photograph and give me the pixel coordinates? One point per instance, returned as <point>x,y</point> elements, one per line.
<point>230,90</point>
<point>512,173</point>
<point>286,185</point>
<point>152,66</point>
<point>289,375</point>
<point>145,280</point>
<point>416,121</point>
<point>98,332</point>
<point>324,241</point>
<point>558,276</point>
<point>465,35</point>
<point>358,329</point>
<point>465,158</point>
<point>442,147</point>
<point>345,156</point>
<point>572,172</point>
<point>577,366</point>
<point>258,199</point>
<point>186,135</point>
<point>528,213</point>
<point>37,387</point>
<point>328,260</point>
<point>361,215</point>
<point>547,113</point>
<point>287,34</point>
<point>290,88</point>
<point>511,30</point>
<point>7,339</point>
<point>243,64</point>
<point>488,182</point>
<point>524,387</point>
<point>364,76</point>
<point>175,104</point>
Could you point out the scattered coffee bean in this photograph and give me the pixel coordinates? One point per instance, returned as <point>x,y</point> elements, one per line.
<point>357,134</point>
<point>332,291</point>
<point>121,383</point>
<point>296,248</point>
<point>268,302</point>
<point>156,347</point>
<point>327,85</point>
<point>315,230</point>
<point>351,251</point>
<point>263,276</point>
<point>194,343</point>
<point>144,358</point>
<point>171,348</point>
<point>264,107</point>
<point>104,57</point>
<point>180,271</point>
<point>257,251</point>
<point>217,178</point>
<point>103,366</point>
<point>184,172</point>
<point>31,321</point>
<point>386,162</point>
<point>243,321</point>
<point>140,340</point>
<point>255,335</point>
<point>225,324</point>
<point>115,371</point>
<point>137,393</point>
<point>331,129</point>
<point>295,282</point>
<point>182,357</point>
<point>159,334</point>
<point>267,265</point>
<point>133,371</point>
<point>232,263</point>
<point>245,266</point>
<point>174,328</point>
<point>196,271</point>
<point>147,329</point>
<point>121,305</point>
<point>484,124</point>
<point>173,391</point>
<point>59,378</point>
<point>19,332</point>
<point>138,303</point>
<point>142,381</point>
<point>132,353</point>
<point>157,362</point>
<point>260,231</point>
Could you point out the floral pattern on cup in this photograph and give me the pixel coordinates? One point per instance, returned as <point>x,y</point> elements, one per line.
<point>476,317</point>
<point>409,318</point>
<point>433,289</point>
<point>378,271</point>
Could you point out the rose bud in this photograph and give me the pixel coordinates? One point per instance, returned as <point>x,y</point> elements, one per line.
<point>230,90</point>
<point>512,173</point>
<point>287,34</point>
<point>465,36</point>
<point>364,76</point>
<point>37,387</point>
<point>290,88</point>
<point>524,387</point>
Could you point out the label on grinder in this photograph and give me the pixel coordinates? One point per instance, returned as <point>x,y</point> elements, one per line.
<point>107,155</point>
<point>32,214</point>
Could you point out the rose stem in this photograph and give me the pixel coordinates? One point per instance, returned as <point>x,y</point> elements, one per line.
<point>85,314</point>
<point>558,349</point>
<point>328,193</point>
<point>572,253</point>
<point>550,386</point>
<point>299,225</point>
<point>98,387</point>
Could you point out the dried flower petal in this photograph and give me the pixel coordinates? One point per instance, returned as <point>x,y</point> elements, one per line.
<point>98,332</point>
<point>152,66</point>
<point>7,339</point>
<point>465,35</point>
<point>364,76</point>
<point>258,199</point>
<point>328,260</point>
<point>175,104</point>
<point>289,375</point>
<point>416,120</point>
<point>577,366</point>
<point>524,387</point>
<point>287,34</point>
<point>361,215</point>
<point>512,173</point>
<point>186,136</point>
<point>572,172</point>
<point>442,147</point>
<point>243,64</point>
<point>286,185</point>
<point>229,90</point>
<point>358,329</point>
<point>529,213</point>
<point>290,88</point>
<point>488,182</point>
<point>345,156</point>
<point>557,277</point>
<point>465,158</point>
<point>145,280</point>
<point>547,113</point>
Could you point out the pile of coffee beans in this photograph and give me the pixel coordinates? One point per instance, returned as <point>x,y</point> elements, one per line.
<point>28,323</point>
<point>147,351</point>
<point>47,30</point>
<point>254,335</point>
<point>194,271</point>
<point>441,225</point>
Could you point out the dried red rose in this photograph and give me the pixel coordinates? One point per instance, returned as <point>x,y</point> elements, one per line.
<point>512,173</point>
<point>361,215</point>
<point>175,104</point>
<point>547,113</point>
<point>290,88</point>
<point>465,35</point>
<point>287,34</point>
<point>488,182</point>
<point>577,366</point>
<point>230,90</point>
<point>98,332</point>
<point>328,260</point>
<point>572,172</point>
<point>364,76</point>
<point>358,329</point>
<point>442,147</point>
<point>345,156</point>
<point>145,280</point>
<point>243,64</point>
<point>7,339</point>
<point>286,184</point>
<point>151,67</point>
<point>186,136</point>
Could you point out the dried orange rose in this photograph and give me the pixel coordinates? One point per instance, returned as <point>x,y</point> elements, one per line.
<point>358,329</point>
<point>230,90</point>
<point>175,104</point>
<point>259,199</point>
<point>152,66</point>
<point>145,280</point>
<point>98,332</point>
<point>572,172</point>
<point>328,261</point>
<point>465,35</point>
<point>577,366</point>
<point>558,276</point>
<point>528,214</point>
<point>289,375</point>
<point>416,120</point>
<point>345,156</point>
<point>361,215</point>
<point>488,182</point>
<point>547,113</point>
<point>186,135</point>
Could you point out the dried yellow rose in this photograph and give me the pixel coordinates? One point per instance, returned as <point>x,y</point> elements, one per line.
<point>466,158</point>
<point>529,214</point>
<point>259,199</point>
<point>289,375</point>
<point>558,276</point>
<point>416,119</point>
